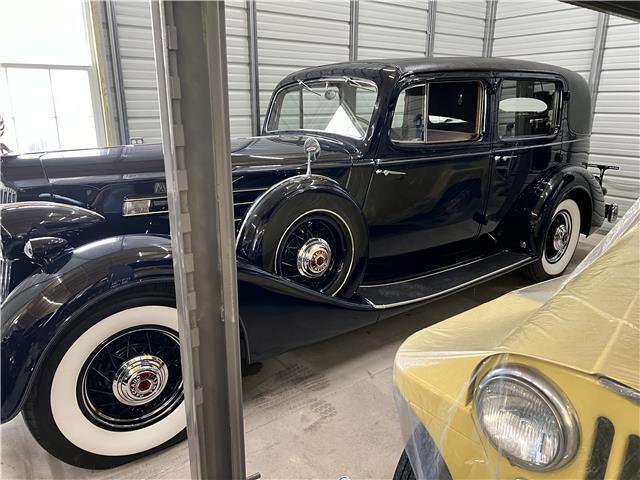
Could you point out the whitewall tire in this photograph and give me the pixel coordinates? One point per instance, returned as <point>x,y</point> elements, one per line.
<point>111,390</point>
<point>559,243</point>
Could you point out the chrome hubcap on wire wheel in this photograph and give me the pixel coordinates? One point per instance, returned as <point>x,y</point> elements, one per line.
<point>140,380</point>
<point>312,252</point>
<point>314,257</point>
<point>558,236</point>
<point>133,379</point>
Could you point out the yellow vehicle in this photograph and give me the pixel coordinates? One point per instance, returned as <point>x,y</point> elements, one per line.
<point>543,382</point>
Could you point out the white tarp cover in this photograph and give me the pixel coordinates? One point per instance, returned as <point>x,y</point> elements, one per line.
<point>588,321</point>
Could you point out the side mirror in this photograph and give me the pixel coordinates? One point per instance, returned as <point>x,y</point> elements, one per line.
<point>312,148</point>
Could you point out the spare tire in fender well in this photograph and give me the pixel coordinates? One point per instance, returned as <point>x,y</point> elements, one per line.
<point>273,210</point>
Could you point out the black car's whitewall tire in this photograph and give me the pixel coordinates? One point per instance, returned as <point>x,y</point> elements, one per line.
<point>559,243</point>
<point>72,416</point>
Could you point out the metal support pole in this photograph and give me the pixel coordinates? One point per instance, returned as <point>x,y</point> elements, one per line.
<point>354,20</point>
<point>254,73</point>
<point>489,28</point>
<point>595,71</point>
<point>431,27</point>
<point>190,51</point>
<point>116,66</point>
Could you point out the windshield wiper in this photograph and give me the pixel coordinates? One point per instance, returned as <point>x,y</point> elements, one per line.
<point>307,87</point>
<point>358,83</point>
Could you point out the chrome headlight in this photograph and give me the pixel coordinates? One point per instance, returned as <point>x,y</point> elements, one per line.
<point>526,418</point>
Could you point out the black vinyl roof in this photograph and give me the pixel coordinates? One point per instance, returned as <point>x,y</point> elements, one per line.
<point>380,70</point>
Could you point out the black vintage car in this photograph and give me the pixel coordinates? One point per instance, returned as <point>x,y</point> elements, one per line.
<point>375,186</point>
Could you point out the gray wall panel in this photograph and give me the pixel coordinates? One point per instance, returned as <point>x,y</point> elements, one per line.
<point>616,126</point>
<point>459,28</point>
<point>389,29</point>
<point>294,35</point>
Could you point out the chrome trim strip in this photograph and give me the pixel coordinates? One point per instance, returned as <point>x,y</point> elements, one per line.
<point>622,390</point>
<point>398,282</point>
<point>452,289</point>
<point>245,190</point>
<point>241,203</point>
<point>161,197</point>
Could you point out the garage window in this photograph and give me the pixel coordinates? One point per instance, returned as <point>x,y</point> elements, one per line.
<point>527,108</point>
<point>47,79</point>
<point>452,110</point>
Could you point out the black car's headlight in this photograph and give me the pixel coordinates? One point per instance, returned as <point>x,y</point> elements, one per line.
<point>526,418</point>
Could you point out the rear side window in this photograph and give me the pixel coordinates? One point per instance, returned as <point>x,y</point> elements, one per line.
<point>527,108</point>
<point>452,111</point>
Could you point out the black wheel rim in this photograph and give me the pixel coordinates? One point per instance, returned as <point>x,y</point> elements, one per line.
<point>558,237</point>
<point>298,235</point>
<point>133,379</point>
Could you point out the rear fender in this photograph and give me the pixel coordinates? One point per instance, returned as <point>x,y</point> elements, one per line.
<point>41,308</point>
<point>526,222</point>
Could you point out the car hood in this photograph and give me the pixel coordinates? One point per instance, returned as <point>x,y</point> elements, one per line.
<point>140,162</point>
<point>589,322</point>
<point>285,151</point>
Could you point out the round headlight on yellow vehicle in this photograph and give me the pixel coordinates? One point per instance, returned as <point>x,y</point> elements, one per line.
<point>526,418</point>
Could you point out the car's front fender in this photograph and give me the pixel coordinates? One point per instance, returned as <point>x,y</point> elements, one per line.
<point>40,308</point>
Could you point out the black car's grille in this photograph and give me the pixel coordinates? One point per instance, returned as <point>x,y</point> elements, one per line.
<point>7,195</point>
<point>242,200</point>
<point>601,453</point>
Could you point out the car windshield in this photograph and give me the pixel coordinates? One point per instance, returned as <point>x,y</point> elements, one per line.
<point>342,106</point>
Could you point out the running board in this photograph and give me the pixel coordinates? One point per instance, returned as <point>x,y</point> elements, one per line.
<point>443,282</point>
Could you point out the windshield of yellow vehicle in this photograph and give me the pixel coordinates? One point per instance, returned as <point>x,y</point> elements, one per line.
<point>342,106</point>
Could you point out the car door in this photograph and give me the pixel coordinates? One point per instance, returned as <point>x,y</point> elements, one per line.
<point>432,168</point>
<point>527,138</point>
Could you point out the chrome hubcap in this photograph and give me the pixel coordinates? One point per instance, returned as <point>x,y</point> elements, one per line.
<point>559,236</point>
<point>140,379</point>
<point>314,257</point>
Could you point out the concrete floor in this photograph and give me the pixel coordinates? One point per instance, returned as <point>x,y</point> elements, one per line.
<point>321,411</point>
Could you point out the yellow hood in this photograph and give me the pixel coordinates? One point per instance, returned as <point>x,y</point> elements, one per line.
<point>592,324</point>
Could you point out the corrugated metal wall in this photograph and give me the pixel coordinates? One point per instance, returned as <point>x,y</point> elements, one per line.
<point>390,29</point>
<point>546,31</point>
<point>294,35</point>
<point>459,28</point>
<point>238,68</point>
<point>616,127</point>
<point>135,43</point>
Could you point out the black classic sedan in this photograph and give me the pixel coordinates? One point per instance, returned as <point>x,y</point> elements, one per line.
<point>376,186</point>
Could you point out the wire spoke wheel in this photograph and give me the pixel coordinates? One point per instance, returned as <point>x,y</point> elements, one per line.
<point>558,236</point>
<point>133,379</point>
<point>312,252</point>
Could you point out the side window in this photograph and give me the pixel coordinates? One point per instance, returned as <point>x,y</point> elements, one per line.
<point>453,111</point>
<point>407,124</point>
<point>527,108</point>
<point>365,103</point>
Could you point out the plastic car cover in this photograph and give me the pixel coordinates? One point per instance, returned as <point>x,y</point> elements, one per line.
<point>571,321</point>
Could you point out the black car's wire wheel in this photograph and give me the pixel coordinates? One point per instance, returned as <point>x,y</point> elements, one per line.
<point>110,389</point>
<point>133,379</point>
<point>559,243</point>
<point>316,251</point>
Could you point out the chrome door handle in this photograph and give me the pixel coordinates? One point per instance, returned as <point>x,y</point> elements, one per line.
<point>504,158</point>
<point>386,173</point>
